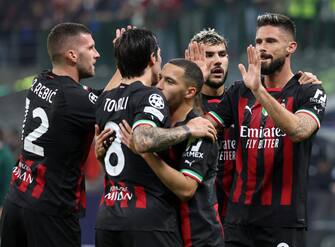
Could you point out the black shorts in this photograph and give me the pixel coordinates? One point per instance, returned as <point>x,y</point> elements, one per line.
<point>256,236</point>
<point>106,238</point>
<point>22,227</point>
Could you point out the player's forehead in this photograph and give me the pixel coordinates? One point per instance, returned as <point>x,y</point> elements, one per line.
<point>275,32</point>
<point>172,71</point>
<point>81,40</point>
<point>215,48</point>
<point>86,39</point>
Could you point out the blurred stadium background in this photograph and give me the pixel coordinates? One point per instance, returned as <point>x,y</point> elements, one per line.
<point>24,25</point>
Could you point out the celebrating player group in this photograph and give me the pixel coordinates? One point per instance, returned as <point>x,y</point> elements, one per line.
<point>187,162</point>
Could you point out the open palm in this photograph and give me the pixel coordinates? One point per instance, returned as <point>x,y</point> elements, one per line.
<point>195,53</point>
<point>252,77</point>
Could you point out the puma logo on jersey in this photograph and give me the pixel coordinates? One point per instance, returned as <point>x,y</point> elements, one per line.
<point>189,162</point>
<point>248,109</point>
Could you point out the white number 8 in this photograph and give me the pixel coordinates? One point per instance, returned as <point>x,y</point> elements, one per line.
<point>114,152</point>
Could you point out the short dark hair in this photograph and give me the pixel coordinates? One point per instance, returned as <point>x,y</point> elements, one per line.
<point>60,34</point>
<point>192,72</point>
<point>209,37</point>
<point>277,20</point>
<point>133,50</point>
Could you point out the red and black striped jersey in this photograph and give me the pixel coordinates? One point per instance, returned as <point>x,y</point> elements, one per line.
<point>270,182</point>
<point>226,158</point>
<point>57,132</point>
<point>134,198</point>
<point>197,158</point>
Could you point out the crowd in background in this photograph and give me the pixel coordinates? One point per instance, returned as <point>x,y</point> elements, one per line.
<point>21,21</point>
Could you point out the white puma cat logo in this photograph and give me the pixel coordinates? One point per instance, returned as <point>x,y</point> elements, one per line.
<point>189,162</point>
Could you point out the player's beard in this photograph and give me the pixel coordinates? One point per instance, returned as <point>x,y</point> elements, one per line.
<point>216,85</point>
<point>85,70</point>
<point>275,65</point>
<point>84,73</point>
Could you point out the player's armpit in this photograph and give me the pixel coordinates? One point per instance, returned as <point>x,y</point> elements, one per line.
<point>306,126</point>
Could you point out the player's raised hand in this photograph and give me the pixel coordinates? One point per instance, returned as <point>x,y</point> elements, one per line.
<point>126,134</point>
<point>308,77</point>
<point>252,77</point>
<point>195,52</point>
<point>120,31</point>
<point>201,127</point>
<point>102,139</point>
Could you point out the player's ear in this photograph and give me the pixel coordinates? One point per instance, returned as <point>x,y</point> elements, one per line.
<point>71,55</point>
<point>190,92</point>
<point>291,47</point>
<point>153,59</point>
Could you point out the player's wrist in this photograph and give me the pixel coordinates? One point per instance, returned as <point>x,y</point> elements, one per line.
<point>187,130</point>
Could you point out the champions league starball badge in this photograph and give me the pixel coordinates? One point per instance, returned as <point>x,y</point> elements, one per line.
<point>156,101</point>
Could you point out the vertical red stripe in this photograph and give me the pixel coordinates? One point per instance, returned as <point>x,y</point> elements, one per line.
<point>25,176</point>
<point>103,194</point>
<point>185,225</point>
<point>15,170</point>
<point>216,209</point>
<point>124,194</point>
<point>266,192</point>
<point>40,181</point>
<point>287,179</point>
<point>141,199</point>
<point>227,178</point>
<point>255,123</point>
<point>112,194</point>
<point>102,200</point>
<point>239,162</point>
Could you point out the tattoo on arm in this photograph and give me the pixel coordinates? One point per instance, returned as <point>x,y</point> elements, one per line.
<point>154,139</point>
<point>305,128</point>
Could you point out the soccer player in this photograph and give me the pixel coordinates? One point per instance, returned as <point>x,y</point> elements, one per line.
<point>216,60</point>
<point>47,193</point>
<point>188,169</point>
<point>275,120</point>
<point>136,206</point>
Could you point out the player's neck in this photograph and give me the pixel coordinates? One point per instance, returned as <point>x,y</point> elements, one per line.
<point>179,114</point>
<point>146,79</point>
<point>279,78</point>
<point>209,91</point>
<point>66,71</point>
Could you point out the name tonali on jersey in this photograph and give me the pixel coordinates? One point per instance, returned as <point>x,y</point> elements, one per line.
<point>113,105</point>
<point>134,198</point>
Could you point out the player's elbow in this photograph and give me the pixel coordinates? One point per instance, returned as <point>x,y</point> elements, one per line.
<point>297,138</point>
<point>186,195</point>
<point>300,136</point>
<point>188,190</point>
<point>142,141</point>
<point>142,146</point>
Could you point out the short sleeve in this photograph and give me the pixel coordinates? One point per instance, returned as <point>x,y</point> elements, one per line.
<point>80,106</point>
<point>151,109</point>
<point>222,113</point>
<point>313,102</point>
<point>199,156</point>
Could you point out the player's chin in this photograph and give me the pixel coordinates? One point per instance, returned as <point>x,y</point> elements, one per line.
<point>217,78</point>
